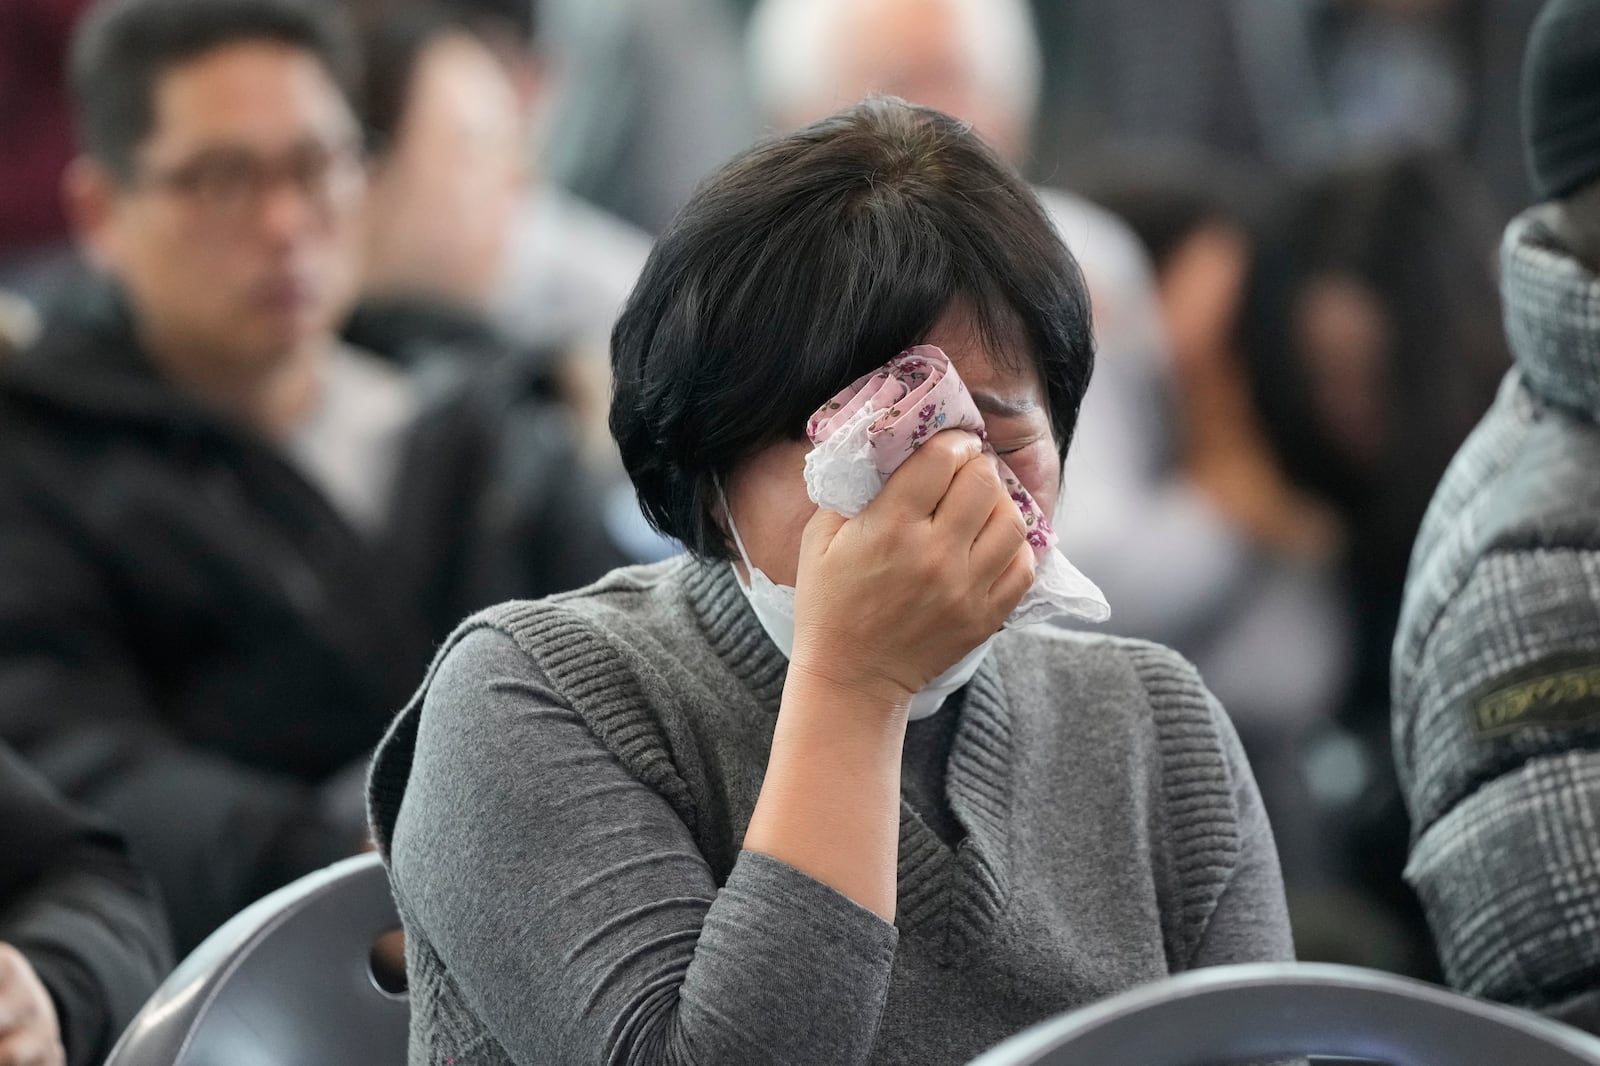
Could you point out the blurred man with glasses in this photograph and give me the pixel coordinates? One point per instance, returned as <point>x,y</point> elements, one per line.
<point>231,539</point>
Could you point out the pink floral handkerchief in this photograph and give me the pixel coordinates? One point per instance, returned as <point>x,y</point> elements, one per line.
<point>863,435</point>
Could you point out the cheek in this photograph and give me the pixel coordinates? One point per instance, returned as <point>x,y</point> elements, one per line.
<point>172,263</point>
<point>343,262</point>
<point>770,505</point>
<point>1038,467</point>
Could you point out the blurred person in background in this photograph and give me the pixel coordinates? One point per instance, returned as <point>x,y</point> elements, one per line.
<point>469,241</point>
<point>1236,76</point>
<point>232,539</point>
<point>1262,614</point>
<point>447,204</point>
<point>975,60</point>
<point>83,942</point>
<point>444,137</point>
<point>1435,75</point>
<point>1497,661</point>
<point>1374,343</point>
<point>567,265</point>
<point>648,98</point>
<point>1127,515</point>
<point>1332,344</point>
<point>36,255</point>
<point>443,129</point>
<point>1292,83</point>
<point>1396,71</point>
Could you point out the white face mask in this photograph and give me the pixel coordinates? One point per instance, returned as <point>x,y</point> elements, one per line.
<point>773,605</point>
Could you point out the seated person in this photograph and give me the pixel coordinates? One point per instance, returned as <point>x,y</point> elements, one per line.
<point>445,178</point>
<point>444,145</point>
<point>82,941</point>
<point>1497,658</point>
<point>792,798</point>
<point>232,541</point>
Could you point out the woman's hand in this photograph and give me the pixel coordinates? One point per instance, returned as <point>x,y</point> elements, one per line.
<point>885,602</point>
<point>890,599</point>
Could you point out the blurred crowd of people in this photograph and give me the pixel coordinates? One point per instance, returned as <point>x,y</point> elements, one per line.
<point>223,567</point>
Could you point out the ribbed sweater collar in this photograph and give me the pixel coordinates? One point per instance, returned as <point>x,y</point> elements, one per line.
<point>732,631</point>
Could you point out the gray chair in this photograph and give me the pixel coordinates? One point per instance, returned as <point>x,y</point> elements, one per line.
<point>1234,1014</point>
<point>287,982</point>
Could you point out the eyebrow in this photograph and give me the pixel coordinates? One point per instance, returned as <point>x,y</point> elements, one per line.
<point>994,406</point>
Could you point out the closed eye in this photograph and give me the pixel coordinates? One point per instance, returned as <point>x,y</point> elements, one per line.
<point>1012,447</point>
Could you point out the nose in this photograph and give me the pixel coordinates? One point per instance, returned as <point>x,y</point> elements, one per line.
<point>288,210</point>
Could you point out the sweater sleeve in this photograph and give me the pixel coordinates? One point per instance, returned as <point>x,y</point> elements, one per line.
<point>1251,919</point>
<point>570,906</point>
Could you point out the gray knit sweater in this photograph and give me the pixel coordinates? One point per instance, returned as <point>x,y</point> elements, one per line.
<point>562,806</point>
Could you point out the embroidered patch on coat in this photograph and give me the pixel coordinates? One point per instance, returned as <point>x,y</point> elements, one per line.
<point>1547,694</point>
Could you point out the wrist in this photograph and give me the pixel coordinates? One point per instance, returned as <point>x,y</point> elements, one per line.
<point>836,681</point>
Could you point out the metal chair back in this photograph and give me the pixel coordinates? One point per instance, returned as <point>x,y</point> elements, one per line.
<point>1233,1014</point>
<point>286,982</point>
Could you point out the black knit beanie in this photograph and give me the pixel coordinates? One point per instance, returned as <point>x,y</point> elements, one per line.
<point>1561,97</point>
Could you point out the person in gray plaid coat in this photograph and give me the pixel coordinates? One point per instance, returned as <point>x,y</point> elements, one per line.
<point>1497,661</point>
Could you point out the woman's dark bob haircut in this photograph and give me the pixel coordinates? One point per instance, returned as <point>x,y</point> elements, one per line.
<point>808,261</point>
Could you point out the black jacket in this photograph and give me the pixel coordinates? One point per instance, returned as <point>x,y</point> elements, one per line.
<point>72,903</point>
<point>194,642</point>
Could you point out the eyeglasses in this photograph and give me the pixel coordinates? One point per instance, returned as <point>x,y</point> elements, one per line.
<point>230,185</point>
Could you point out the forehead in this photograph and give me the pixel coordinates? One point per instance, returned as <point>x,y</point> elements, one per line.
<point>901,29</point>
<point>896,45</point>
<point>261,95</point>
<point>459,85</point>
<point>1003,367</point>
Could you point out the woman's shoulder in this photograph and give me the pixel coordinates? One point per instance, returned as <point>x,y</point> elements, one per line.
<point>568,664</point>
<point>628,606</point>
<point>624,592</point>
<point>1101,664</point>
<point>574,650</point>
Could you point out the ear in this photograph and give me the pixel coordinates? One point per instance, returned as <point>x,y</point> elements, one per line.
<point>92,200</point>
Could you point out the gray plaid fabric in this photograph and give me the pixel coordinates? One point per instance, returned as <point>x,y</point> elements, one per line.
<point>1497,662</point>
